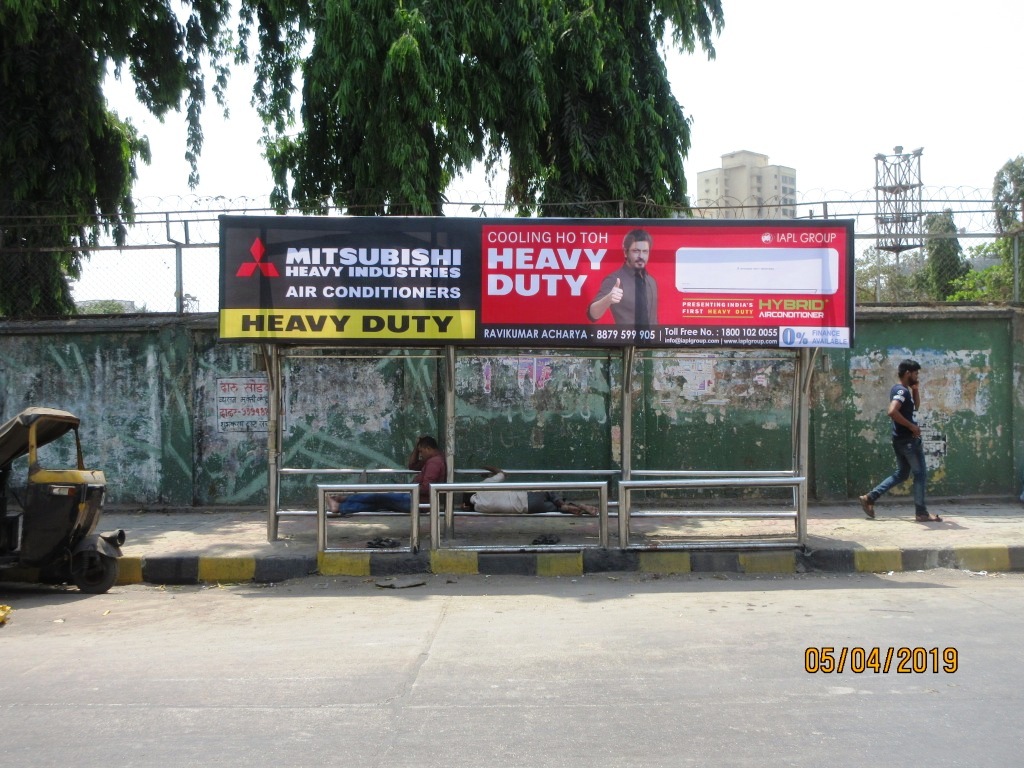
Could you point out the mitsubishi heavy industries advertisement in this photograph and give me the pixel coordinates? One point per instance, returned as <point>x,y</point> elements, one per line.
<point>660,283</point>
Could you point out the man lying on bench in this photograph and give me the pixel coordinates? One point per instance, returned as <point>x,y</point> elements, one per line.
<point>510,502</point>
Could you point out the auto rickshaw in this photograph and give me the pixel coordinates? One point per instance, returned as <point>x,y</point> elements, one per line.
<point>47,526</point>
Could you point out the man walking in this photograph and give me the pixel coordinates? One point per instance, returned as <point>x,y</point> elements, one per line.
<point>904,400</point>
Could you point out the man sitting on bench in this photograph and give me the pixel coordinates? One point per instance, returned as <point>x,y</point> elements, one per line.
<point>511,502</point>
<point>426,460</point>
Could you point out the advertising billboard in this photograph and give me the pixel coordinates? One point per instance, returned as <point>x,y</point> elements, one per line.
<point>432,281</point>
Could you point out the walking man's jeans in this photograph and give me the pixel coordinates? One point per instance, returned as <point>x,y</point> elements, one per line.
<point>909,461</point>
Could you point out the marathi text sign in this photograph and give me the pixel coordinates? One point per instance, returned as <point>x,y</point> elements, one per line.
<point>537,282</point>
<point>243,404</point>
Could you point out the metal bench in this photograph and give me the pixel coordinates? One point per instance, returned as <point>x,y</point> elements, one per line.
<point>448,491</point>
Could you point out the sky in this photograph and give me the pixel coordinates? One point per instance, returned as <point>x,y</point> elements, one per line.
<point>823,87</point>
<point>818,86</point>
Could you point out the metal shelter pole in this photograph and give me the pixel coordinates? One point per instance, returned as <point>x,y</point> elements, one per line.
<point>794,437</point>
<point>272,361</point>
<point>805,374</point>
<point>449,413</point>
<point>626,446</point>
<point>794,419</point>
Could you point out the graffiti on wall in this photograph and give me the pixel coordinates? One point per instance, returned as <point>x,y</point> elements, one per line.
<point>534,410</point>
<point>686,384</point>
<point>116,390</point>
<point>148,395</point>
<point>952,382</point>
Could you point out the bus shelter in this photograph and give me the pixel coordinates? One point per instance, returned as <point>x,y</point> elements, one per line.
<point>640,297</point>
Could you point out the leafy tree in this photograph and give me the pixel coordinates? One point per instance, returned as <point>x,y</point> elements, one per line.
<point>870,275</point>
<point>67,161</point>
<point>985,283</point>
<point>108,307</point>
<point>616,132</point>
<point>1008,194</point>
<point>944,260</point>
<point>882,277</point>
<point>398,98</point>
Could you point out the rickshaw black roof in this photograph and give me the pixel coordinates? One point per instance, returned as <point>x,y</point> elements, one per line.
<point>14,433</point>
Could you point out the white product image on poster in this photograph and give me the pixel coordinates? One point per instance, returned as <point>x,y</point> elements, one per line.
<point>757,270</point>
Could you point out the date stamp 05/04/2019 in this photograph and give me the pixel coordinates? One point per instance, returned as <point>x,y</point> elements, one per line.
<point>904,660</point>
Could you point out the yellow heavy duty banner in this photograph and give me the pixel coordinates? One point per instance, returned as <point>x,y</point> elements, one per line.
<point>314,324</point>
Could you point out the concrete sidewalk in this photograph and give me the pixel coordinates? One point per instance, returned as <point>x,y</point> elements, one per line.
<point>229,546</point>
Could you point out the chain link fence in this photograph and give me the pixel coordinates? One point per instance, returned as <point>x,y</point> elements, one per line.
<point>169,260</point>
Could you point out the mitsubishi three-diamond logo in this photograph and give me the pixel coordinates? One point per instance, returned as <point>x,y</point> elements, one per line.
<point>248,268</point>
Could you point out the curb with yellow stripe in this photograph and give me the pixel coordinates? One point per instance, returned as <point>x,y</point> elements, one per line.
<point>195,569</point>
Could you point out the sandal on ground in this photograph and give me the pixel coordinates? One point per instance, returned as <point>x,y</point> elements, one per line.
<point>382,542</point>
<point>926,518</point>
<point>868,506</point>
<point>546,538</point>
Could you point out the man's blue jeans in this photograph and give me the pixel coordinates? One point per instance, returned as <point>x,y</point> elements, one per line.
<point>375,502</point>
<point>909,461</point>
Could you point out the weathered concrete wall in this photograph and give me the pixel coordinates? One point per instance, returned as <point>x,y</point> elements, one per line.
<point>538,410</point>
<point>152,391</point>
<point>230,468</point>
<point>129,385</point>
<point>705,411</point>
<point>356,411</point>
<point>971,411</point>
<point>1016,421</point>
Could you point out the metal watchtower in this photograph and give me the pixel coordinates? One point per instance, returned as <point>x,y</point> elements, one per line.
<point>898,201</point>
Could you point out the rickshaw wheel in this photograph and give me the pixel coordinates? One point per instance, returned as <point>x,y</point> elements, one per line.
<point>93,573</point>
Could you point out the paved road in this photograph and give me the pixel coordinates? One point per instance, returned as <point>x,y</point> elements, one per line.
<point>621,670</point>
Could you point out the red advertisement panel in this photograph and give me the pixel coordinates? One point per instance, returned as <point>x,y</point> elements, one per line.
<point>772,284</point>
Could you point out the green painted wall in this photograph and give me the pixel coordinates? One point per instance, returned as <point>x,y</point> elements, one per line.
<point>538,410</point>
<point>358,411</point>
<point>148,391</point>
<point>131,388</point>
<point>698,411</point>
<point>230,468</point>
<point>970,387</point>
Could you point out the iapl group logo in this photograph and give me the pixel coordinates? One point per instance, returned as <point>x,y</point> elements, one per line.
<point>266,268</point>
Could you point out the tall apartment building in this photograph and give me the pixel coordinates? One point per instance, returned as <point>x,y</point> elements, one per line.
<point>746,187</point>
